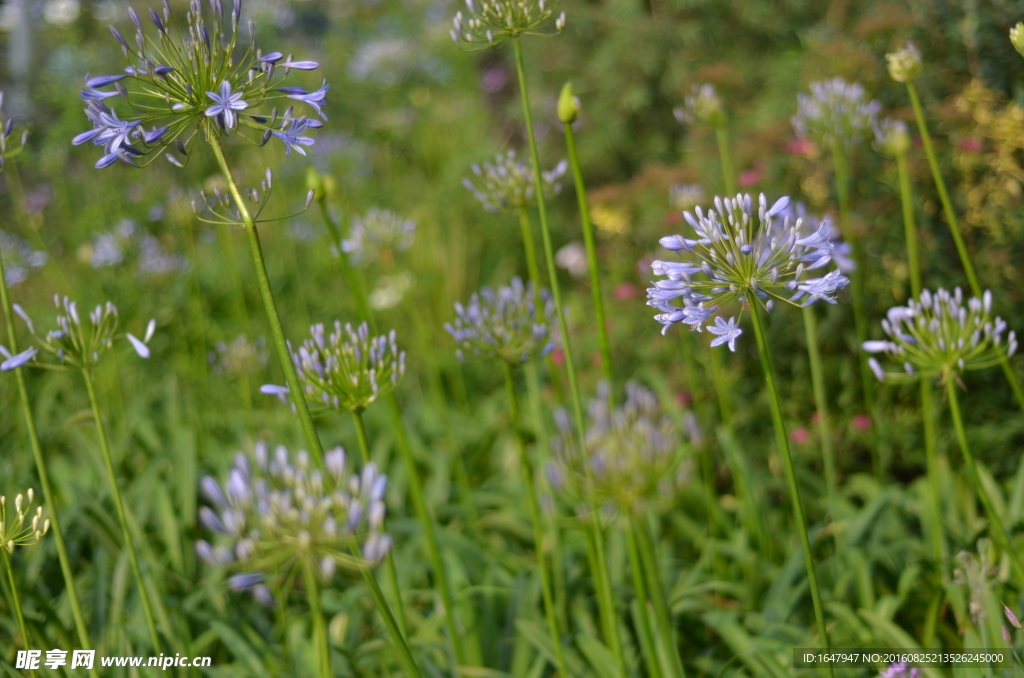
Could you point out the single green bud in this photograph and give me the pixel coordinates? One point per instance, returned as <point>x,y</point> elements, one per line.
<point>315,183</point>
<point>568,105</point>
<point>330,187</point>
<point>1017,37</point>
<point>904,64</point>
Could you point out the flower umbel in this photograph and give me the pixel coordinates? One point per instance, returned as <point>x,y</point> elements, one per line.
<point>904,64</point>
<point>19,258</point>
<point>746,256</point>
<point>14,530</point>
<point>892,137</point>
<point>835,112</point>
<point>507,183</point>
<point>178,83</point>
<point>701,105</point>
<point>631,455</point>
<point>504,324</point>
<point>939,334</point>
<point>495,21</point>
<point>278,513</point>
<point>348,369</point>
<point>378,235</point>
<point>78,341</point>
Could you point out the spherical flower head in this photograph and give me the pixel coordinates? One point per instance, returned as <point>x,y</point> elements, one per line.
<point>275,514</point>
<point>348,369</point>
<point>507,183</point>
<point>631,453</point>
<point>841,252</point>
<point>745,255</point>
<point>20,524</point>
<point>835,112</point>
<point>19,259</point>
<point>905,63</point>
<point>686,197</point>
<point>80,340</point>
<point>8,147</point>
<point>180,84</point>
<point>1017,37</point>
<point>378,235</point>
<point>939,334</point>
<point>239,357</point>
<point>489,23</point>
<point>701,105</point>
<point>892,137</point>
<point>900,670</point>
<point>505,324</point>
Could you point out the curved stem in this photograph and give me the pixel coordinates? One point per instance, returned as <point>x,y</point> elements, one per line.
<point>653,665</point>
<point>290,374</point>
<point>396,590</point>
<point>821,405</point>
<point>121,515</point>
<point>320,639</point>
<point>538,528</point>
<point>44,475</point>
<point>601,573</point>
<point>398,640</point>
<point>588,241</point>
<point>996,527</point>
<point>16,601</point>
<point>782,440</point>
<point>954,226</point>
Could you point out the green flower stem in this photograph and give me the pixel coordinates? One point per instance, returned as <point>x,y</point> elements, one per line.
<point>821,405</point>
<point>397,639</point>
<point>636,569</point>
<point>291,376</point>
<point>860,319</point>
<point>938,541</point>
<point>530,248</point>
<point>402,442</point>
<point>396,591</point>
<point>666,629</point>
<point>588,240</point>
<point>954,226</point>
<point>601,573</point>
<point>538,528</point>
<point>227,241</point>
<point>320,640</point>
<point>996,528</point>
<point>121,514</point>
<point>725,157</point>
<point>782,440</point>
<point>44,475</point>
<point>707,467</point>
<point>716,364</point>
<point>16,601</point>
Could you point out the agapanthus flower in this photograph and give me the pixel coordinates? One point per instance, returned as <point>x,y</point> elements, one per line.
<point>631,456</point>
<point>842,252</point>
<point>378,235</point>
<point>939,334</point>
<point>701,105</point>
<point>23,526</point>
<point>504,324</point>
<point>19,259</point>
<point>892,137</point>
<point>180,82</point>
<point>221,210</point>
<point>239,356</point>
<point>80,340</point>
<point>905,63</point>
<point>275,514</point>
<point>743,255</point>
<point>7,150</point>
<point>900,670</point>
<point>492,22</point>
<point>507,183</point>
<point>346,370</point>
<point>686,197</point>
<point>835,112</point>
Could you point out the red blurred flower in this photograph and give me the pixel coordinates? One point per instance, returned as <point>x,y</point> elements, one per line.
<point>558,357</point>
<point>971,145</point>
<point>861,422</point>
<point>751,177</point>
<point>803,147</point>
<point>799,435</point>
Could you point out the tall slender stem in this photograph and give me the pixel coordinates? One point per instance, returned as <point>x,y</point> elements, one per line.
<point>666,629</point>
<point>396,591</point>
<point>996,528</point>
<point>398,640</point>
<point>44,475</point>
<point>320,639</point>
<point>821,405</point>
<point>938,542</point>
<point>782,440</point>
<point>530,248</point>
<point>538,528</point>
<point>601,573</point>
<point>16,600</point>
<point>352,279</point>
<point>121,514</point>
<point>588,241</point>
<point>725,157</point>
<point>636,569</point>
<point>954,226</point>
<point>290,374</point>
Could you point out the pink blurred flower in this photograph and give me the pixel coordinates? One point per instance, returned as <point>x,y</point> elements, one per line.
<point>971,145</point>
<point>684,398</point>
<point>674,218</point>
<point>800,146</point>
<point>625,291</point>
<point>751,177</point>
<point>861,422</point>
<point>799,435</point>
<point>558,357</point>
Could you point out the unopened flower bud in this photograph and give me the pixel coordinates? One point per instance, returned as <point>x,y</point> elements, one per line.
<point>568,105</point>
<point>905,64</point>
<point>1017,37</point>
